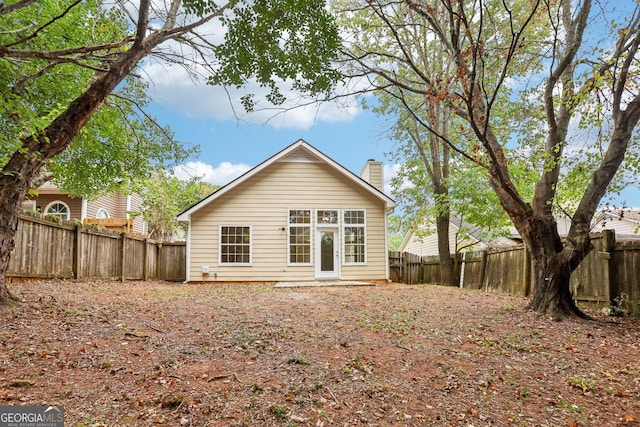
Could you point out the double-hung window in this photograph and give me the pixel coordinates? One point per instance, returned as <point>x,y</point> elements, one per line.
<point>299,236</point>
<point>235,244</point>
<point>354,237</point>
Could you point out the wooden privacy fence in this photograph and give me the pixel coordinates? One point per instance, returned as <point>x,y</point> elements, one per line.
<point>61,249</point>
<point>610,274</point>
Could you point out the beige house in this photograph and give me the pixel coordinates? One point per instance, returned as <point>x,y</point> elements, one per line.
<point>463,236</point>
<point>298,216</point>
<point>425,242</point>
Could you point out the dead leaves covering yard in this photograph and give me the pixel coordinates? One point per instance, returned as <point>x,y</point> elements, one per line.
<point>145,354</point>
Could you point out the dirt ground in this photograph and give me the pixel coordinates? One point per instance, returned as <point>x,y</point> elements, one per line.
<point>157,353</point>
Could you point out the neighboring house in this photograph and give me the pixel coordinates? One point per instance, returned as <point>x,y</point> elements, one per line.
<point>423,241</point>
<point>110,211</point>
<point>625,224</point>
<point>297,216</point>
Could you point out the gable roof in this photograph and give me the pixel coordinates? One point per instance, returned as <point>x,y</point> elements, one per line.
<point>298,151</point>
<point>626,223</point>
<point>631,215</point>
<point>470,234</point>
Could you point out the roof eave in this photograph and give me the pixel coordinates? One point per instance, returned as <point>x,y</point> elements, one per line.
<point>185,216</point>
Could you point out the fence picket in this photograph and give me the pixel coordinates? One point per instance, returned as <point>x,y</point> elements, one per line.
<point>61,249</point>
<point>609,275</point>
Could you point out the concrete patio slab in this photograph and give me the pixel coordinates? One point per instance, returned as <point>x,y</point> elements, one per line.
<point>322,283</point>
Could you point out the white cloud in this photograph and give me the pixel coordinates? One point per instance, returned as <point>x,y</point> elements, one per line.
<point>220,175</point>
<point>173,88</point>
<point>389,172</point>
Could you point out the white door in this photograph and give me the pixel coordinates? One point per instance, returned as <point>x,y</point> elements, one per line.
<point>327,255</point>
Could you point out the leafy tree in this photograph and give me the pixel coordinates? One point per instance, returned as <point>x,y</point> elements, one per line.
<point>397,229</point>
<point>432,163</point>
<point>89,49</point>
<point>118,148</point>
<point>474,206</point>
<point>420,132</point>
<point>434,182</point>
<point>571,99</point>
<point>165,196</point>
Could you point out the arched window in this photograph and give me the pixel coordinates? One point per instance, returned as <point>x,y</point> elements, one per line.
<point>58,209</point>
<point>102,214</point>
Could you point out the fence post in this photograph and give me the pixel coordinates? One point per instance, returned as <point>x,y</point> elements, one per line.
<point>77,252</point>
<point>608,244</point>
<point>160,268</point>
<point>483,266</point>
<point>463,263</point>
<point>145,260</point>
<point>404,268</point>
<point>123,255</point>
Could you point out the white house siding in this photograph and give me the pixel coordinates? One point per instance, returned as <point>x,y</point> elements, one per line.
<point>423,246</point>
<point>263,202</point>
<point>622,226</point>
<point>428,245</point>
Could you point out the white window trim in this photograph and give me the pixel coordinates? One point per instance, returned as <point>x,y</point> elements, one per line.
<point>58,202</point>
<point>312,214</point>
<point>318,224</point>
<point>344,237</point>
<point>103,210</point>
<point>235,264</point>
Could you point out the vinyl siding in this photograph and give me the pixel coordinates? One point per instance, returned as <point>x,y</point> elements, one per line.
<point>428,245</point>
<point>108,203</point>
<point>116,205</point>
<point>620,225</point>
<point>75,205</point>
<point>139,225</point>
<point>372,173</point>
<point>263,202</point>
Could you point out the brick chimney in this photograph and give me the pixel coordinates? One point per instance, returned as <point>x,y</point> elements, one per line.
<point>372,173</point>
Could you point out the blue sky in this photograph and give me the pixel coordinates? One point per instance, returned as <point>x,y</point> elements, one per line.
<point>232,141</point>
<point>229,147</point>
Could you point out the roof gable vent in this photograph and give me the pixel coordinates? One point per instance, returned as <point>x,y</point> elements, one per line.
<point>300,155</point>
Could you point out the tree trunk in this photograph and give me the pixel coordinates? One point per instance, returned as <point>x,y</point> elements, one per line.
<point>553,263</point>
<point>552,293</point>
<point>23,168</point>
<point>12,192</point>
<point>447,266</point>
